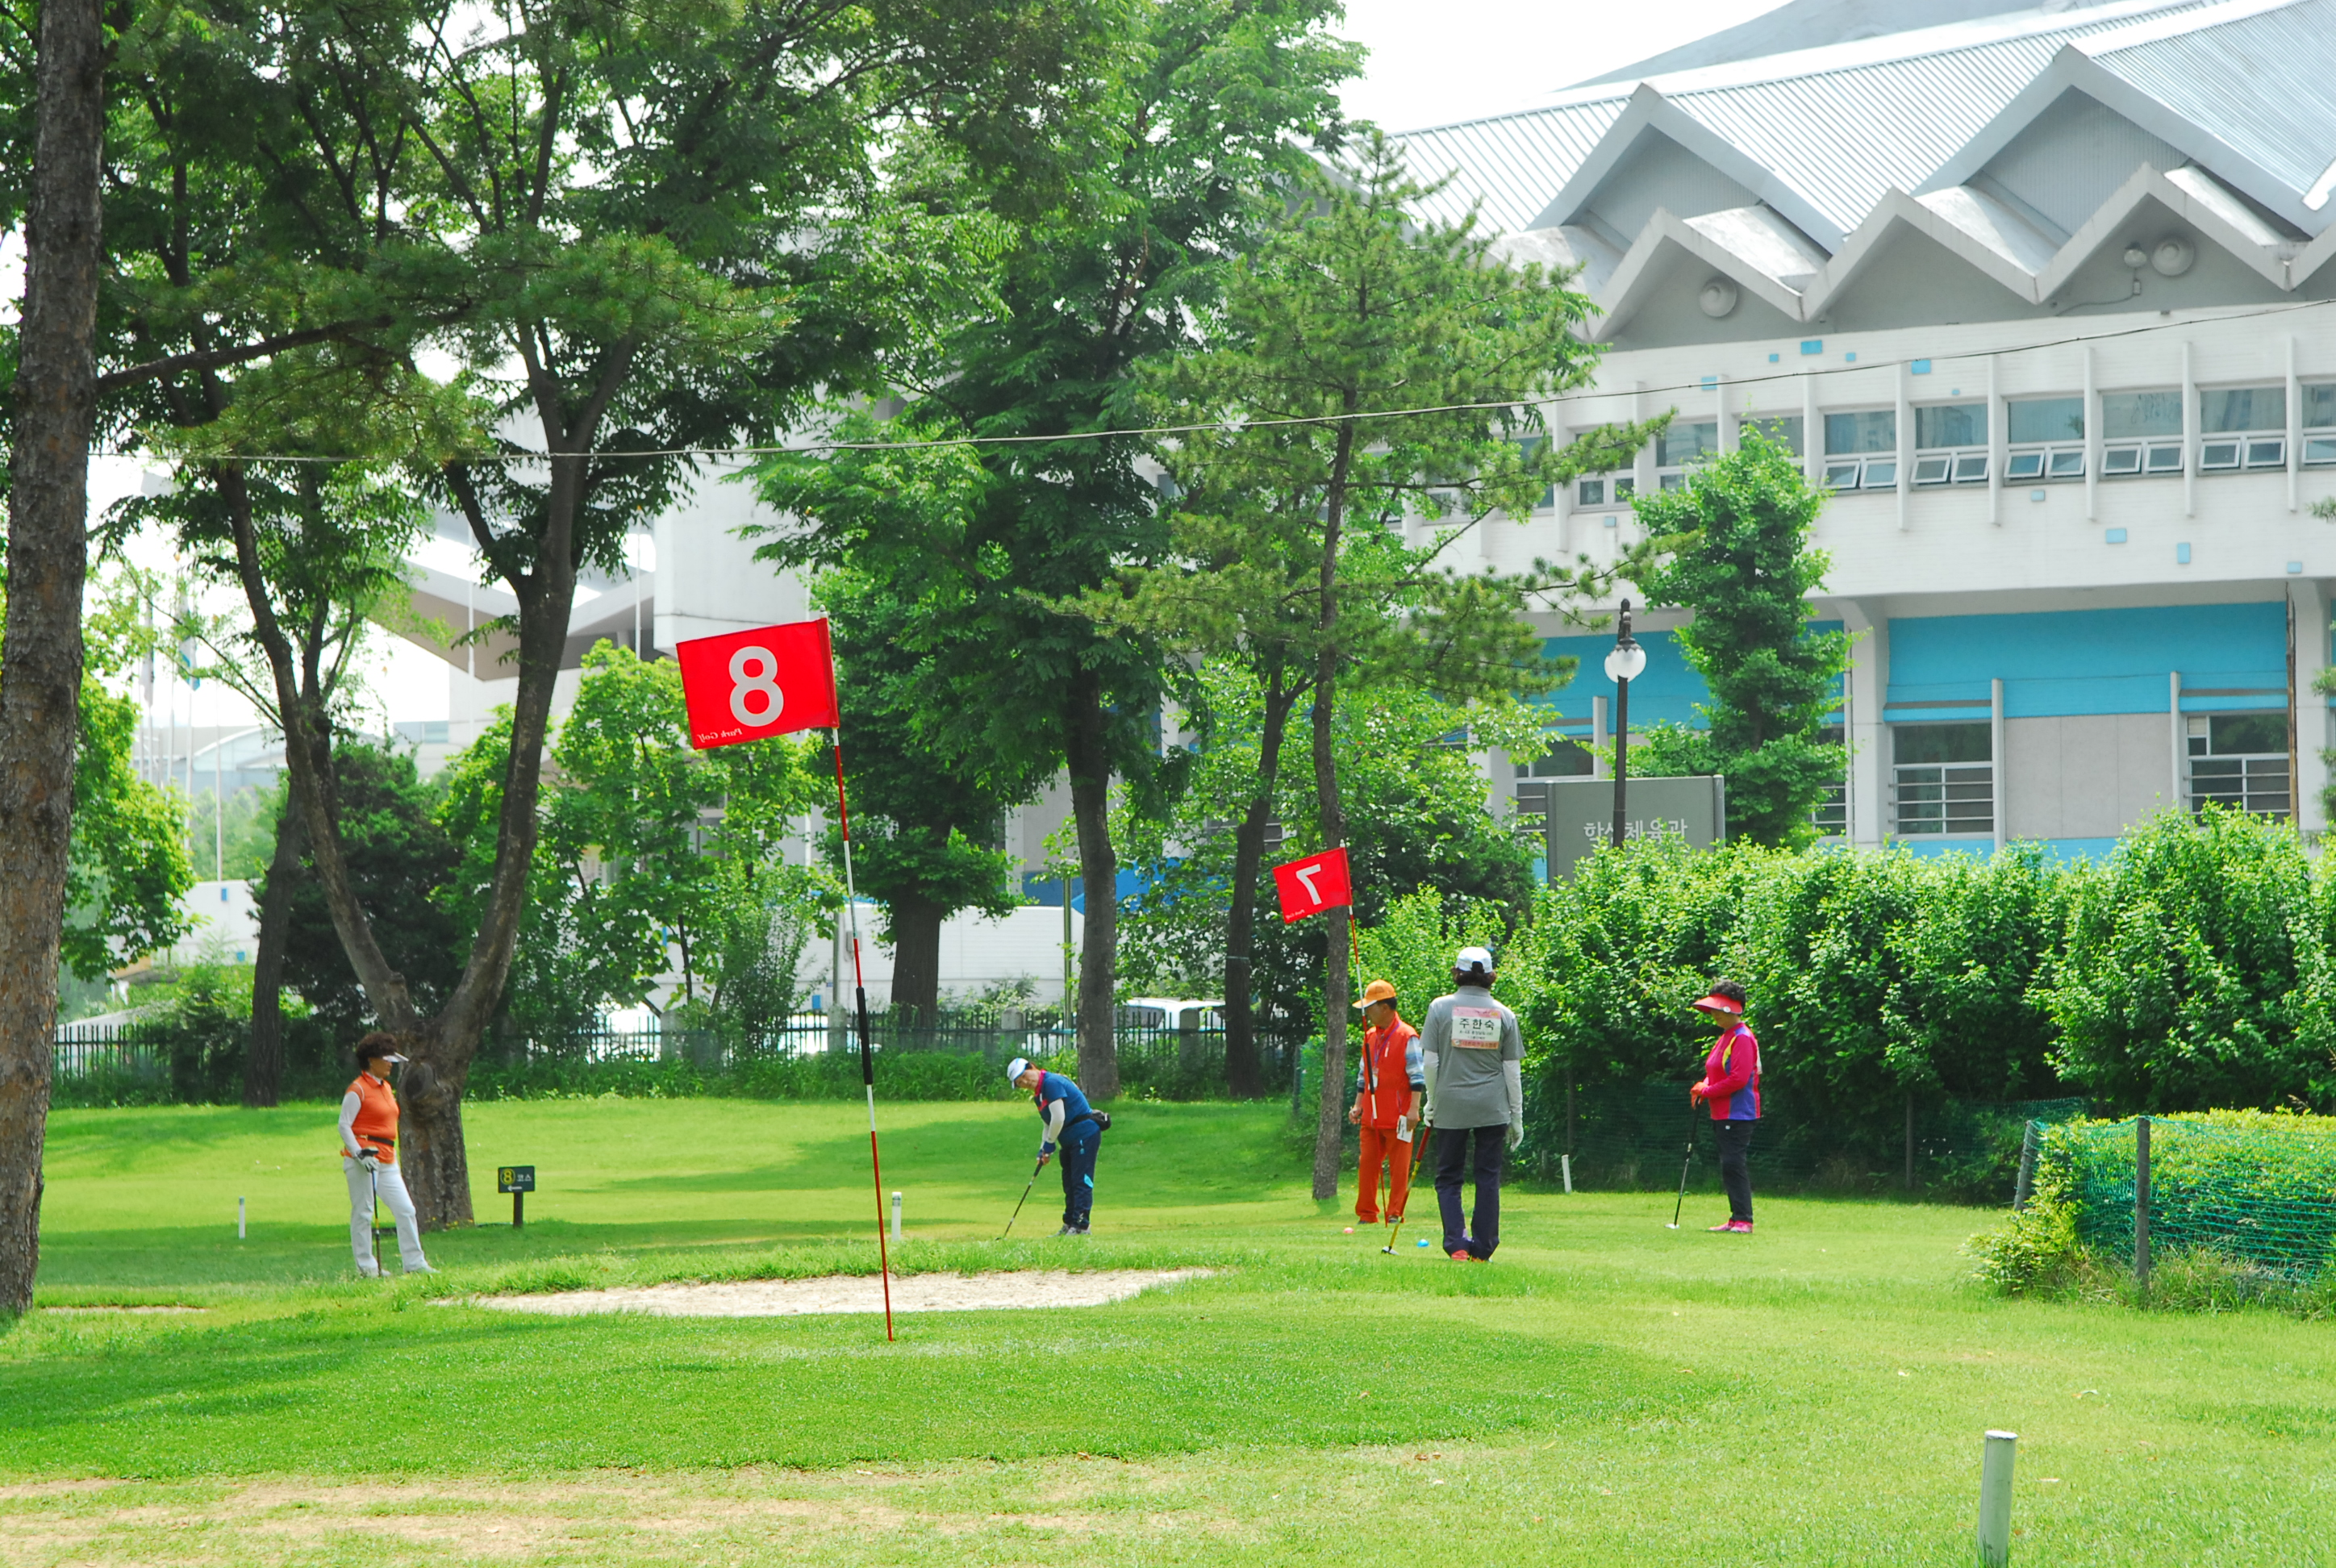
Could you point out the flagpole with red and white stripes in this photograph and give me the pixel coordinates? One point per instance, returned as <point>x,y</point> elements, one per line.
<point>860,1006</point>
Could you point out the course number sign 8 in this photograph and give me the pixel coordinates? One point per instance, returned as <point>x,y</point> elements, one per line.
<point>746,686</point>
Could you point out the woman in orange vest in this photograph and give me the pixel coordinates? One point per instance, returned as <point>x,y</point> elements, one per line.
<point>1389,1085</point>
<point>369,1158</point>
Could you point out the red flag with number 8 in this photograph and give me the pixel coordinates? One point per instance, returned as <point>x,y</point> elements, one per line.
<point>1316,883</point>
<point>743,686</point>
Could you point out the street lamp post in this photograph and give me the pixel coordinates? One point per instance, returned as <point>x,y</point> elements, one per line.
<point>1622,664</point>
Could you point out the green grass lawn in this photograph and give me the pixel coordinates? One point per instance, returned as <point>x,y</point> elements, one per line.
<point>1606,1391</point>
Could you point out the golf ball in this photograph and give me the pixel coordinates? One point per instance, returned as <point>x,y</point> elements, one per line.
<point>1423,1241</point>
<point>1350,1230</point>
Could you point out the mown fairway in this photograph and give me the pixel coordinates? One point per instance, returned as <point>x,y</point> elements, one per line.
<point>1608,1391</point>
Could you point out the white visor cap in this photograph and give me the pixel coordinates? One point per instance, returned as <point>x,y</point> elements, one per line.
<point>1015,1068</point>
<point>1471,959</point>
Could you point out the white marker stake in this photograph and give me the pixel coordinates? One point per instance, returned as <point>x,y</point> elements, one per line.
<point>238,1219</point>
<point>1995,1500</point>
<point>1566,1162</point>
<point>896,1216</point>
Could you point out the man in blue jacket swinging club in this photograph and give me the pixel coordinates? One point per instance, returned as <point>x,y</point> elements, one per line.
<point>1074,1127</point>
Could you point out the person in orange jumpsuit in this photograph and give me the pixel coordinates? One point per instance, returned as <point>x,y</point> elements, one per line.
<point>1389,1088</point>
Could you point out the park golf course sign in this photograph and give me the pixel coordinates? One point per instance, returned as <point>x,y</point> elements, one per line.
<point>519,1181</point>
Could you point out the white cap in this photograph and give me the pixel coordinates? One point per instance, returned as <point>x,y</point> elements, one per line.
<point>1471,959</point>
<point>1015,1068</point>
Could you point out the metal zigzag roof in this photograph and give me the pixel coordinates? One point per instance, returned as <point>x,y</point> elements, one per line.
<point>1839,125</point>
<point>2264,84</point>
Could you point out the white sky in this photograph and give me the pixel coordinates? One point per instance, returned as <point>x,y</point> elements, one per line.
<point>1431,61</point>
<point>1434,60</point>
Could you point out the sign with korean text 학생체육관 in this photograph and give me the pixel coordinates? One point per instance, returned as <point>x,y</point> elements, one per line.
<point>1582,814</point>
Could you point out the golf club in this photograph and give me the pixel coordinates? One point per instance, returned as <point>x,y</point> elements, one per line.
<point>1692,1109</point>
<point>1418,1149</point>
<point>1024,1198</point>
<point>373,1184</point>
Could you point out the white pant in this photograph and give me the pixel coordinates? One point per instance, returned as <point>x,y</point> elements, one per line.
<point>390,1183</point>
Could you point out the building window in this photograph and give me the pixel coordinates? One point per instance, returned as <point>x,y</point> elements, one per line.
<point>1526,447</point>
<point>1950,444</point>
<point>2048,439</point>
<point>1605,490</point>
<point>1565,759</point>
<point>1944,778</point>
<point>2319,400</point>
<point>1680,446</point>
<point>2141,434</point>
<point>1832,816</point>
<point>2242,427</point>
<point>1782,429</point>
<point>1862,450</point>
<point>2239,760</point>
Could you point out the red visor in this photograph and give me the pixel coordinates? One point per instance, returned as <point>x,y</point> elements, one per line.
<point>1715,1003</point>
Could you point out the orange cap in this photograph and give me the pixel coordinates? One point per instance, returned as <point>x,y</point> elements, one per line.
<point>1376,991</point>
<point>1726,1006</point>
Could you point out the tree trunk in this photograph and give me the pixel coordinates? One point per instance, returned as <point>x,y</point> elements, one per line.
<point>1242,1076</point>
<point>916,961</point>
<point>1330,1121</point>
<point>1088,758</point>
<point>48,563</point>
<point>263,1070</point>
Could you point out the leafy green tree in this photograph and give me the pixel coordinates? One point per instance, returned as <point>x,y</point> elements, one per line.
<point>128,866</point>
<point>1746,568</point>
<point>1184,156</point>
<point>926,834</point>
<point>1368,370</point>
<point>1417,800</point>
<point>655,858</point>
<point>637,238</point>
<point>401,862</point>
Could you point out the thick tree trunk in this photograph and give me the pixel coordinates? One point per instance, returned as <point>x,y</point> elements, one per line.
<point>1242,1076</point>
<point>916,961</point>
<point>1331,1120</point>
<point>48,562</point>
<point>263,1069</point>
<point>1089,760</point>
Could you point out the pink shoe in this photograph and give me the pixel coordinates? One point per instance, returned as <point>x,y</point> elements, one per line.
<point>1723,1225</point>
<point>1740,1227</point>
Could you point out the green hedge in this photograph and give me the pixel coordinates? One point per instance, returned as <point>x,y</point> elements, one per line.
<point>2190,970</point>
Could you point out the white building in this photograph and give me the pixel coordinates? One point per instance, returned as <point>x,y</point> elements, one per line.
<point>2044,296</point>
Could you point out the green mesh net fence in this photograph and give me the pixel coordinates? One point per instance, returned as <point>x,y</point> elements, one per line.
<point>2259,1188</point>
<point>1635,1136</point>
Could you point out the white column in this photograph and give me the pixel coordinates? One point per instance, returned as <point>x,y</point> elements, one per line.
<point>1812,432</point>
<point>1643,467</point>
<point>1906,422</point>
<point>2092,441</point>
<point>1995,751</point>
<point>1726,420</point>
<point>2294,429</point>
<point>2189,435</point>
<point>1998,441</point>
<point>2181,741</point>
<point>1597,737</point>
<point>1869,683</point>
<point>2315,727</point>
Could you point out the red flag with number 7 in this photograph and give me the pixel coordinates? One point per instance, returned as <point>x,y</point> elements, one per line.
<point>743,686</point>
<point>1316,883</point>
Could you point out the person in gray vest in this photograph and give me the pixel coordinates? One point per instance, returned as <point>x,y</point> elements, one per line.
<point>1474,1054</point>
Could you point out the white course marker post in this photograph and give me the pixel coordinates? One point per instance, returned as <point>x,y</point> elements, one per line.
<point>896,1215</point>
<point>238,1219</point>
<point>1995,1499</point>
<point>1565,1163</point>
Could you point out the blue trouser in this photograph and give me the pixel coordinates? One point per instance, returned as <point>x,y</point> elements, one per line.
<point>1452,1164</point>
<point>1076,1156</point>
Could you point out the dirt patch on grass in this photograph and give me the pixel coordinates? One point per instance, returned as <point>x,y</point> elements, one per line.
<point>750,1515</point>
<point>944,1292</point>
<point>86,1311</point>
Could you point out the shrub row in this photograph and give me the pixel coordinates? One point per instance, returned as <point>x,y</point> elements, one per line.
<point>2190,969</point>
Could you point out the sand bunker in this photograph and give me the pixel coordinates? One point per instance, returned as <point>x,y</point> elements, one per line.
<point>851,1293</point>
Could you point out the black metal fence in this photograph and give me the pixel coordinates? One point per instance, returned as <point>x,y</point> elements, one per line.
<point>163,1060</point>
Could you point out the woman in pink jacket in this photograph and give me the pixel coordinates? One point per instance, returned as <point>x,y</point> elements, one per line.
<point>1731,1087</point>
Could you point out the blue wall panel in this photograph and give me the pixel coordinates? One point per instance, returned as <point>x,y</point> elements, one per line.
<point>1667,693</point>
<point>2092,661</point>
